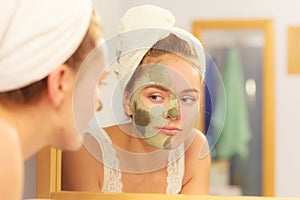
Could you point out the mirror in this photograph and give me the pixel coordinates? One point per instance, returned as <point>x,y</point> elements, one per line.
<point>49,159</point>
<point>249,43</point>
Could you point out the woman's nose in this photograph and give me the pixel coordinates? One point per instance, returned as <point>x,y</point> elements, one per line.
<point>173,114</point>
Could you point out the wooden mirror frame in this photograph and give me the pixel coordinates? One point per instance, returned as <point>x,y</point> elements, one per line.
<point>49,159</point>
<point>266,26</point>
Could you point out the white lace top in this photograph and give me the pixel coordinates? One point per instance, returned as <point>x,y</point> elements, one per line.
<point>112,174</point>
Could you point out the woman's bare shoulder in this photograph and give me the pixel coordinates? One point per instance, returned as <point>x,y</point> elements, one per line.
<point>197,154</point>
<point>197,166</point>
<point>11,159</point>
<point>198,145</point>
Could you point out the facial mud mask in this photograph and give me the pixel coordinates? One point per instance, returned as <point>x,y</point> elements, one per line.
<point>153,105</point>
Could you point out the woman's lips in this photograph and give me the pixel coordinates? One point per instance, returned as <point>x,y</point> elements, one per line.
<point>168,130</point>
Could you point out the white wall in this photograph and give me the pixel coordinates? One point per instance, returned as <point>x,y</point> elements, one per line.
<point>287,96</point>
<point>287,105</point>
<point>110,14</point>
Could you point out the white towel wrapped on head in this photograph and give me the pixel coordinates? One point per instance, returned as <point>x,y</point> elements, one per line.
<point>36,36</point>
<point>151,24</point>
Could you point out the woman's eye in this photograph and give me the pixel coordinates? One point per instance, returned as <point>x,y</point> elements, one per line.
<point>188,100</point>
<point>156,98</point>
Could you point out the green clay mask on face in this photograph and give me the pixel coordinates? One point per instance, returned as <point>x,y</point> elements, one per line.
<point>152,103</point>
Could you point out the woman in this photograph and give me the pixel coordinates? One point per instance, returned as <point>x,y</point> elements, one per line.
<point>43,43</point>
<point>156,149</point>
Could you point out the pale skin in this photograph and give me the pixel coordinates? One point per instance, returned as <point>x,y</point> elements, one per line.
<point>82,172</point>
<point>27,128</point>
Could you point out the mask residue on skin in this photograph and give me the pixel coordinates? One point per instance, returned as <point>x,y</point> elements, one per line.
<point>141,116</point>
<point>147,119</point>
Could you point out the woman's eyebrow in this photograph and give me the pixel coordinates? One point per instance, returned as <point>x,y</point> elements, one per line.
<point>190,90</point>
<point>157,87</point>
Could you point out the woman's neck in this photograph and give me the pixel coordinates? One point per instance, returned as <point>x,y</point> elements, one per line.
<point>126,137</point>
<point>26,121</point>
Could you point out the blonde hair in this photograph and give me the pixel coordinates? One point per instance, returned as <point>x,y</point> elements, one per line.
<point>32,92</point>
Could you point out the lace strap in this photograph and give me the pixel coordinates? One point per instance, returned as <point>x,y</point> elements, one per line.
<point>112,174</point>
<point>175,170</point>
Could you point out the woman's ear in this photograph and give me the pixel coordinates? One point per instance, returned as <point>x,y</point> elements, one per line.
<point>126,105</point>
<point>58,84</point>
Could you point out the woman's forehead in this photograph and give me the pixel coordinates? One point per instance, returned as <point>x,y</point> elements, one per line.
<point>176,62</point>
<point>166,76</point>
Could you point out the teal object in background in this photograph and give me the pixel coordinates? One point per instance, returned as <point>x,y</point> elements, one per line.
<point>236,132</point>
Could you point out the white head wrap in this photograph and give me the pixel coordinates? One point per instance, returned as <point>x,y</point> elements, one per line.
<point>36,36</point>
<point>154,18</point>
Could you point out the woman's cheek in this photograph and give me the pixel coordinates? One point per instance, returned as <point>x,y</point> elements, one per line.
<point>190,114</point>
